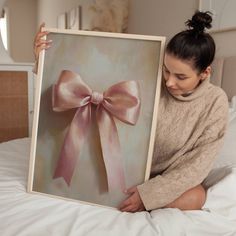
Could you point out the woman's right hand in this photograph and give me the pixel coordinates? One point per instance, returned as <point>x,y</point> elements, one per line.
<point>39,42</point>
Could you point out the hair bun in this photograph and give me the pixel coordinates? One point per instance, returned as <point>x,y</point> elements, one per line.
<point>200,21</point>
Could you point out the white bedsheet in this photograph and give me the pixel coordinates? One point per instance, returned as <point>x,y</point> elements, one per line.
<point>24,214</point>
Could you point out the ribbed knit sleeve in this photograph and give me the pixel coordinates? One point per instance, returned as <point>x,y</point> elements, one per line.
<point>192,167</point>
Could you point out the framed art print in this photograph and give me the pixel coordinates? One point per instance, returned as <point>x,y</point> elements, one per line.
<point>95,115</point>
<point>74,18</point>
<point>61,21</point>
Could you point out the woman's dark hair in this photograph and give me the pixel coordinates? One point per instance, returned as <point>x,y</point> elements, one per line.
<point>194,44</point>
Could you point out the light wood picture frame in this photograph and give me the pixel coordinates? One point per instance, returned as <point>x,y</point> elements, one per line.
<point>112,82</point>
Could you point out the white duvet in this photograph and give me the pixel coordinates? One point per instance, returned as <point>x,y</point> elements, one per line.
<point>25,214</point>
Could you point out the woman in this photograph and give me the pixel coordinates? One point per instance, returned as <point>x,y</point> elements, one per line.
<point>191,123</point>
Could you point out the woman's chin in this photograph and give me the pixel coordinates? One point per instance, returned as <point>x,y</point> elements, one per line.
<point>174,91</point>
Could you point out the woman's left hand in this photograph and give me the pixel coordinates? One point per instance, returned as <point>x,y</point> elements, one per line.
<point>133,203</point>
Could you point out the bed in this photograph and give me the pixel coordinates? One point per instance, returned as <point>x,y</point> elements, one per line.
<point>26,214</point>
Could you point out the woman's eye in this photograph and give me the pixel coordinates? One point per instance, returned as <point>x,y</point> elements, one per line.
<point>165,70</point>
<point>181,78</point>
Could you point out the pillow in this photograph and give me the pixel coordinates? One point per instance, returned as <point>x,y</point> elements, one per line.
<point>232,109</point>
<point>226,160</point>
<point>227,155</point>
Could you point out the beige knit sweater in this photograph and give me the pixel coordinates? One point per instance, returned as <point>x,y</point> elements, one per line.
<point>189,135</point>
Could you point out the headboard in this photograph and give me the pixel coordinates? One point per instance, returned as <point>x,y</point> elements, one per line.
<point>224,74</point>
<point>13,105</point>
<point>16,101</point>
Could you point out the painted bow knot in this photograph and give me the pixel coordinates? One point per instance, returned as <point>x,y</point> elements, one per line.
<point>121,101</point>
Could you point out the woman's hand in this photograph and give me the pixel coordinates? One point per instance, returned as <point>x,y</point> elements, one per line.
<point>133,203</point>
<point>40,44</point>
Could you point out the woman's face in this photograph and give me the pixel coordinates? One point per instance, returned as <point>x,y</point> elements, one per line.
<point>180,77</point>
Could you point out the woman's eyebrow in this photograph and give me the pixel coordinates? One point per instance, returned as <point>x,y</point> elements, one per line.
<point>179,74</point>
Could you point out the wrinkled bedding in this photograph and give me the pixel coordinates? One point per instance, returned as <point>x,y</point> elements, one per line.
<point>28,214</point>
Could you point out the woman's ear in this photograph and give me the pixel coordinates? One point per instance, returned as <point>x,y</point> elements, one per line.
<point>206,73</point>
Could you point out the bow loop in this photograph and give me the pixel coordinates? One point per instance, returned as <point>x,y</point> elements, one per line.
<point>122,100</point>
<point>69,92</point>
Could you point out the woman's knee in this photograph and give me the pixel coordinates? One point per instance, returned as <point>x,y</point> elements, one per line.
<point>201,195</point>
<point>193,199</point>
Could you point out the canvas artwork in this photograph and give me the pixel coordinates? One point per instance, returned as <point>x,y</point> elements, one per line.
<point>95,115</point>
<point>105,15</point>
<point>74,18</point>
<point>61,21</point>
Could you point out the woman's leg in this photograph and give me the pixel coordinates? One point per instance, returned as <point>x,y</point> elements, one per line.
<point>193,199</point>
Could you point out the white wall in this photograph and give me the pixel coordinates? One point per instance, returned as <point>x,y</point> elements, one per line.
<point>160,17</point>
<point>25,17</point>
<point>22,16</point>
<point>167,17</point>
<point>225,43</point>
<point>48,10</point>
<point>151,17</point>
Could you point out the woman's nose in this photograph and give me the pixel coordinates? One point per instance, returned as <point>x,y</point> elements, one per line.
<point>170,81</point>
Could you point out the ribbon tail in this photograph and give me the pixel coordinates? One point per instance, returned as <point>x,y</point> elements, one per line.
<point>73,144</point>
<point>111,150</point>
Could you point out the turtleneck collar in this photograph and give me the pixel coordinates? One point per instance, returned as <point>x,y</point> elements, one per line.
<point>197,92</point>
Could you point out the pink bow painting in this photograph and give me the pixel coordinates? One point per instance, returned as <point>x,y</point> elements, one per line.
<point>122,101</point>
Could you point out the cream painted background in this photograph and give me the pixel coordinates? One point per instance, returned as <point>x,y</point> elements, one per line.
<point>152,17</point>
<point>101,62</point>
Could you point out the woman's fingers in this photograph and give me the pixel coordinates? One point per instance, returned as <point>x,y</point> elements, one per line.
<point>40,27</point>
<point>124,204</point>
<point>43,42</point>
<point>39,42</point>
<point>40,35</point>
<point>126,207</point>
<point>131,190</point>
<point>39,47</point>
<point>129,208</point>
